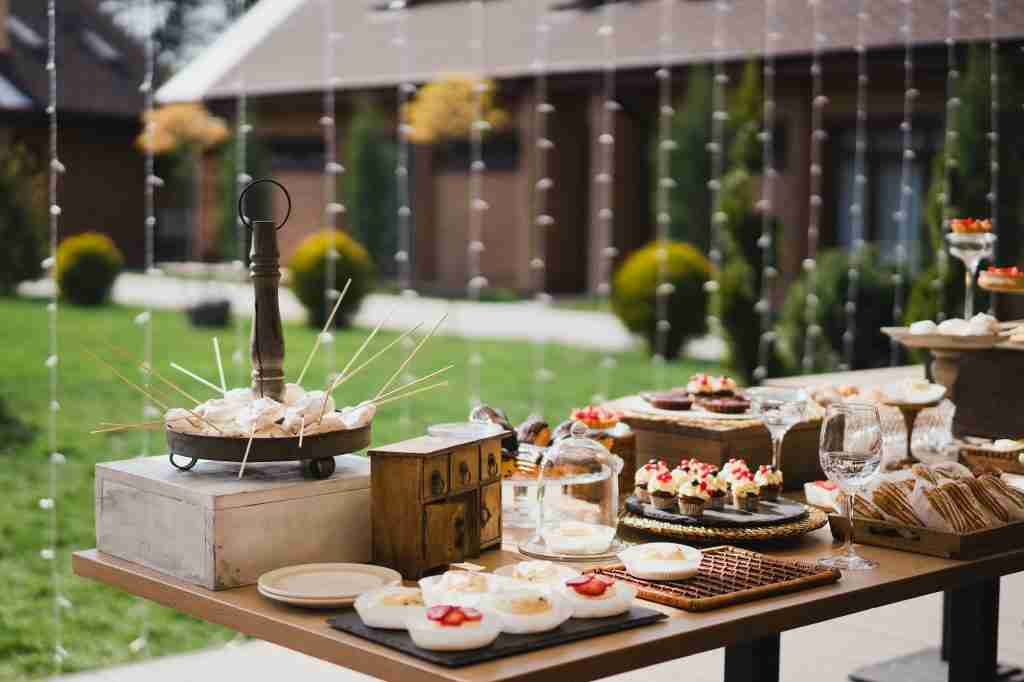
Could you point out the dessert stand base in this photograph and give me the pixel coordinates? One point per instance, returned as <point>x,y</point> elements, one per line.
<point>535,550</point>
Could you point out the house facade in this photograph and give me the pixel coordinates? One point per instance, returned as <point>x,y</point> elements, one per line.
<point>282,75</point>
<point>100,70</point>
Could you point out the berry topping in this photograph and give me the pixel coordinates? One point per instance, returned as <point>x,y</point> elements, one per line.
<point>590,585</point>
<point>472,614</point>
<point>665,476</point>
<point>438,612</point>
<point>827,485</point>
<point>452,616</point>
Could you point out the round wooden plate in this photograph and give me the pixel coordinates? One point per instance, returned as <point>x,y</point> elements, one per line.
<point>324,585</point>
<point>766,514</point>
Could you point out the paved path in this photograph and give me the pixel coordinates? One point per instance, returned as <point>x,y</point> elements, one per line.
<point>826,652</point>
<point>521,321</point>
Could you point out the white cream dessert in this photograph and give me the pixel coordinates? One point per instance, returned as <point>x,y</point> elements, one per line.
<point>597,596</point>
<point>661,561</point>
<point>389,607</point>
<point>576,538</point>
<point>529,611</point>
<point>541,572</point>
<point>923,327</point>
<point>448,627</point>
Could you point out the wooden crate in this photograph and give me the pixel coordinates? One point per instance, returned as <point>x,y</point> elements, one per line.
<point>927,541</point>
<point>718,441</point>
<point>209,528</point>
<point>436,501</point>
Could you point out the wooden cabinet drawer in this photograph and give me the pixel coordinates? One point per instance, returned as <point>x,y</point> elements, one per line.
<point>446,532</point>
<point>465,468</point>
<point>436,477</point>
<point>490,512</point>
<point>490,460</point>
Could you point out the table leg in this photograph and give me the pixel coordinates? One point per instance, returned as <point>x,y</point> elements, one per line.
<point>756,660</point>
<point>970,636</point>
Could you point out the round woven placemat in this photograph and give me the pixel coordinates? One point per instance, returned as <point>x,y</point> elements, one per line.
<point>814,520</point>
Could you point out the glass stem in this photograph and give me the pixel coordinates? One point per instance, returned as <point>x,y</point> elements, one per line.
<point>848,547</point>
<point>777,452</point>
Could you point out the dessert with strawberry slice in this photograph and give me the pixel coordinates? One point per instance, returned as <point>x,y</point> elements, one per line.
<point>1002,279</point>
<point>597,596</point>
<point>448,627</point>
<point>970,225</point>
<point>596,417</point>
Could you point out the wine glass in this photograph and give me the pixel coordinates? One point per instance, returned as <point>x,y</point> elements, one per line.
<point>851,454</point>
<point>779,409</point>
<point>971,248</point>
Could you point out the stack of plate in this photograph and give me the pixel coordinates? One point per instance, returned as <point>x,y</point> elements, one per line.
<point>324,585</point>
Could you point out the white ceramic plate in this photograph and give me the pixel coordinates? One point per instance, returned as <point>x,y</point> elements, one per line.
<point>655,569</point>
<point>325,584</point>
<point>561,574</point>
<point>307,603</point>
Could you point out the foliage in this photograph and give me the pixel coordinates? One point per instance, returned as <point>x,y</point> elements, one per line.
<point>104,620</point>
<point>445,109</point>
<point>87,265</point>
<point>370,186</point>
<point>874,303</point>
<point>22,218</point>
<point>309,264</point>
<point>181,125</point>
<point>689,164</point>
<point>633,293</point>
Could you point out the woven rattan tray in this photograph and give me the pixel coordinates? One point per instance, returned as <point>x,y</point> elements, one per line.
<point>728,575</point>
<point>814,520</point>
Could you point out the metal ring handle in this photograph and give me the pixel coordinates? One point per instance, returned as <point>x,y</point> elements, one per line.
<point>182,467</point>
<point>241,197</point>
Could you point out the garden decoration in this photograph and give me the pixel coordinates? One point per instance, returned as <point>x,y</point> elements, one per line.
<point>273,420</point>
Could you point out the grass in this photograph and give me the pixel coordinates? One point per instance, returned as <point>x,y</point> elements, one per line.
<point>102,622</point>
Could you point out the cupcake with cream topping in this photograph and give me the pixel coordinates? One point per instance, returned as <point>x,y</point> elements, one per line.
<point>733,469</point>
<point>644,475</point>
<point>717,487</point>
<point>691,497</point>
<point>662,489</point>
<point>769,480</point>
<point>745,492</point>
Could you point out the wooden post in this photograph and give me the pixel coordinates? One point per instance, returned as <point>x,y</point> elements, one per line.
<point>267,340</point>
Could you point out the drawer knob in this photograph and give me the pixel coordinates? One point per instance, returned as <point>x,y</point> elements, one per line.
<point>485,514</point>
<point>492,465</point>
<point>460,532</point>
<point>464,472</point>
<point>436,482</point>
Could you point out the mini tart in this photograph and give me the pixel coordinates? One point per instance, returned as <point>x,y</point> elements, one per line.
<point>677,401</point>
<point>970,225</point>
<point>596,417</point>
<point>701,385</point>
<point>1002,279</point>
<point>734,405</point>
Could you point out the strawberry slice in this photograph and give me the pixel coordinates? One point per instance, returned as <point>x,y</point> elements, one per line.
<point>438,612</point>
<point>827,485</point>
<point>472,614</point>
<point>592,588</point>
<point>454,617</point>
<point>579,580</point>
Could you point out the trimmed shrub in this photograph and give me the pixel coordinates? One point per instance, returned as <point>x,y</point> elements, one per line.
<point>87,265</point>
<point>369,186</point>
<point>633,293</point>
<point>22,219</point>
<point>874,311</point>
<point>309,265</point>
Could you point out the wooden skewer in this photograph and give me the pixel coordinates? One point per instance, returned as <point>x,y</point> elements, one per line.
<point>220,366</point>
<point>302,425</point>
<point>409,394</point>
<point>343,377</point>
<point>198,378</point>
<point>327,325</point>
<point>248,447</point>
<point>415,350</point>
<point>150,370</point>
<point>125,379</point>
<point>109,427</point>
<point>413,383</point>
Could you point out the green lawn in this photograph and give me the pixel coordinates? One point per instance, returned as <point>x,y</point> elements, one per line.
<point>102,622</point>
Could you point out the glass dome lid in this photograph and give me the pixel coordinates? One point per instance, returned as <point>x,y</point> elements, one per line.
<point>577,501</point>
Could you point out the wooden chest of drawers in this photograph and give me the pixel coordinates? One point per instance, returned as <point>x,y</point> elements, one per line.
<point>435,501</point>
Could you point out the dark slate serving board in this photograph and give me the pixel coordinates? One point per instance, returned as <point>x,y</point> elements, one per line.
<point>766,514</point>
<point>572,630</point>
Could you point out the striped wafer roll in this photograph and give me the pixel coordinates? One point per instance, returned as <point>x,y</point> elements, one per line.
<point>944,506</point>
<point>989,499</point>
<point>967,504</point>
<point>1016,496</point>
<point>925,472</point>
<point>892,499</point>
<point>864,507</point>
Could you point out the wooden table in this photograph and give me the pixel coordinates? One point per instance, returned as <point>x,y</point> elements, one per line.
<point>749,632</point>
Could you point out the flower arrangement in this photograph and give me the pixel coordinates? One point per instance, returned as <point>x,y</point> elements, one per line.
<point>446,108</point>
<point>172,126</point>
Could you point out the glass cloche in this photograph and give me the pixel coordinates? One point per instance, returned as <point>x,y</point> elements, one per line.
<point>577,501</point>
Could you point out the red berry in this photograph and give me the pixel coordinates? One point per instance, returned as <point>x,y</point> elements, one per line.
<point>438,612</point>
<point>594,587</point>
<point>454,617</point>
<point>579,580</point>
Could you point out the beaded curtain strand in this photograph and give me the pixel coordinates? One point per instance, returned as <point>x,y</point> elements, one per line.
<point>993,133</point>
<point>332,172</point>
<point>950,160</point>
<point>769,173</point>
<point>810,264</point>
<point>666,145</point>
<point>906,190</point>
<point>716,149</point>
<point>477,205</point>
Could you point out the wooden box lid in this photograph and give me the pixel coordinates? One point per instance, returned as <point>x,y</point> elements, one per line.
<point>425,446</point>
<point>215,485</point>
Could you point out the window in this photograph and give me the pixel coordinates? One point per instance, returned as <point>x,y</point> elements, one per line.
<point>883,168</point>
<point>99,46</point>
<point>11,97</point>
<point>24,34</point>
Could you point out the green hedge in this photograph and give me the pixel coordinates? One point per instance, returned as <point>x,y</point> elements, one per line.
<point>87,265</point>
<point>309,266</point>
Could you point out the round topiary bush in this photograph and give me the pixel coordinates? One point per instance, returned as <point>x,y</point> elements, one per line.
<point>633,293</point>
<point>87,265</point>
<point>874,311</point>
<point>309,266</point>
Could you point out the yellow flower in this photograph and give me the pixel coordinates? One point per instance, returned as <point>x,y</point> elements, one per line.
<point>175,125</point>
<point>446,108</point>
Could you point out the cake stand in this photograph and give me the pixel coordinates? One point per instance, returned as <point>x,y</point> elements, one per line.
<point>266,343</point>
<point>945,349</point>
<point>971,248</point>
<point>910,412</point>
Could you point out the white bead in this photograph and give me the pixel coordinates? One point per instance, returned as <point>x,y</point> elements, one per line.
<point>51,361</point>
<point>46,503</point>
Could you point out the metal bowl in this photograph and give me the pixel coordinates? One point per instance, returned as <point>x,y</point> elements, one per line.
<point>317,452</point>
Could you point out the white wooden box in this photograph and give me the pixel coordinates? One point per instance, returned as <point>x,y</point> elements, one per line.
<point>209,528</point>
